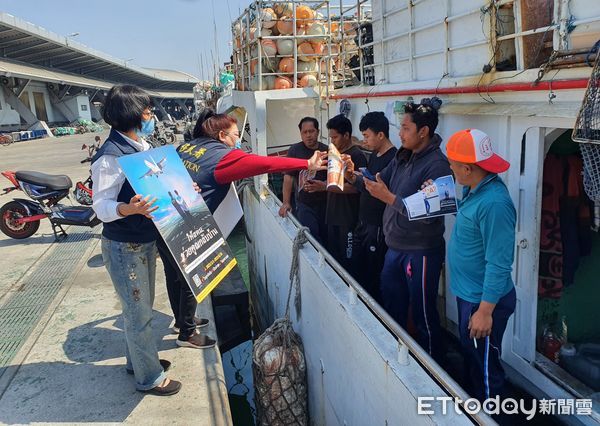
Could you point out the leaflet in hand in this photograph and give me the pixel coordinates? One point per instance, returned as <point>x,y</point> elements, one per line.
<point>335,168</point>
<point>438,199</point>
<point>305,176</point>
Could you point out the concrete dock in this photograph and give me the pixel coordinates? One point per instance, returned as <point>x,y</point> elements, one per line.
<point>61,338</point>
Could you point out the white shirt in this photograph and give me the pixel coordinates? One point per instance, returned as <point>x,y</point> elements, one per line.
<point>108,180</point>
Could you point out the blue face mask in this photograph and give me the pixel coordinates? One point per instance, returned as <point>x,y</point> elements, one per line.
<point>238,144</point>
<point>147,128</point>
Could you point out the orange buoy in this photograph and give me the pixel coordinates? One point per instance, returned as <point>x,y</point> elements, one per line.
<point>308,80</point>
<point>285,26</point>
<point>283,9</point>
<point>304,13</point>
<point>319,48</point>
<point>252,33</point>
<point>268,18</point>
<point>283,83</point>
<point>305,49</point>
<point>286,65</point>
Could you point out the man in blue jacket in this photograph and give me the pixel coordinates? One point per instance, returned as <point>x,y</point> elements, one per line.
<point>480,258</point>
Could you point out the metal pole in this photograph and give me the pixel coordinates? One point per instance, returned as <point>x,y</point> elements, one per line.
<point>295,33</point>
<point>258,39</point>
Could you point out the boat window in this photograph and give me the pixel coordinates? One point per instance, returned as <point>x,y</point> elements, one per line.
<point>524,32</point>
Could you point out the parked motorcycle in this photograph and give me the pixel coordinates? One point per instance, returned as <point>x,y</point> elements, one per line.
<point>21,218</point>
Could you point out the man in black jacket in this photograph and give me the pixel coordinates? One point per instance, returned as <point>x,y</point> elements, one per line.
<point>416,249</point>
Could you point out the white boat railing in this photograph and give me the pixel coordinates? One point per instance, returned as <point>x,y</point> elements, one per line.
<point>406,344</point>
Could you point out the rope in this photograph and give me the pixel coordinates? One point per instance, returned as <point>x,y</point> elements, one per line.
<point>299,241</point>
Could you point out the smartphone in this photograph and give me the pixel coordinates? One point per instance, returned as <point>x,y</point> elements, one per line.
<point>366,173</point>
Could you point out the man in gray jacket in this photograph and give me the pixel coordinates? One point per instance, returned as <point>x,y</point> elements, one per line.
<point>416,249</point>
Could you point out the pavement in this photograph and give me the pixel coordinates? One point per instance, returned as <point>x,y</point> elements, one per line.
<point>70,367</point>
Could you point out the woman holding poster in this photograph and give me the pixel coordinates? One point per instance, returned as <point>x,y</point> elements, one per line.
<point>214,160</point>
<point>129,236</point>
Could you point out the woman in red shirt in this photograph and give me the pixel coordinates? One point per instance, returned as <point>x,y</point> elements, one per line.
<point>214,161</point>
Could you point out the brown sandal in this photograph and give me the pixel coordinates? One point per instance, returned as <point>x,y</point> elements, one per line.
<point>171,388</point>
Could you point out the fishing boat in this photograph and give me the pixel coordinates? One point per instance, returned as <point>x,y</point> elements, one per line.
<point>516,69</point>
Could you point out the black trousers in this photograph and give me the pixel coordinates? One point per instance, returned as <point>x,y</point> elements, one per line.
<point>340,244</point>
<point>182,300</point>
<point>369,255</point>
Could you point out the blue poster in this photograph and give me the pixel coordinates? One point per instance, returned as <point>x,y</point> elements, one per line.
<point>182,217</point>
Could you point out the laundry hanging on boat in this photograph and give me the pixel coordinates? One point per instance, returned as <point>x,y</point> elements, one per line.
<point>565,225</point>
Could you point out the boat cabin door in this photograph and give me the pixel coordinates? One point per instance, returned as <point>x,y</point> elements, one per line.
<point>525,182</point>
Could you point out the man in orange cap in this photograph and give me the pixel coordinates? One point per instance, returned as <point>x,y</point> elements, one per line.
<point>480,257</point>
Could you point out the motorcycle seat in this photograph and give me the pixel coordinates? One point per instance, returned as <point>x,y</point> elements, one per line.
<point>53,182</point>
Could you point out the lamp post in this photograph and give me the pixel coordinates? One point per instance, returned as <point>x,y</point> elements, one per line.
<point>128,60</point>
<point>70,36</point>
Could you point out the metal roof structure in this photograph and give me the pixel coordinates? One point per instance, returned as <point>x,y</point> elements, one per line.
<point>46,55</point>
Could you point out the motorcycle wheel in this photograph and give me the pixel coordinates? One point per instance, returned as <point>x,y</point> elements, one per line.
<point>162,141</point>
<point>172,139</point>
<point>11,211</point>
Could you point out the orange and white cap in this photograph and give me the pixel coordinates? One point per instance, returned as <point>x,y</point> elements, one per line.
<point>472,146</point>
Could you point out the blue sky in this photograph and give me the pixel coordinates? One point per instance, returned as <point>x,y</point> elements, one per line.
<point>158,34</point>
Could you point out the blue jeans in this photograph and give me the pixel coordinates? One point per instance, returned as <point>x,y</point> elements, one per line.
<point>132,269</point>
<point>313,217</point>
<point>411,279</point>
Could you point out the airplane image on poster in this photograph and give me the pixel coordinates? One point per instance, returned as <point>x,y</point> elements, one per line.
<point>182,218</point>
<point>154,168</point>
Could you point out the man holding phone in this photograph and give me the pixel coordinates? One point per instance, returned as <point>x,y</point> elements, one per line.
<point>369,242</point>
<point>310,196</point>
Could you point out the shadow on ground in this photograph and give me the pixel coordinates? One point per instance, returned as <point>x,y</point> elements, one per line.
<point>91,385</point>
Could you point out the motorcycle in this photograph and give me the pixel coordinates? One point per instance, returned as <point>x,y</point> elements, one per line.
<point>20,218</point>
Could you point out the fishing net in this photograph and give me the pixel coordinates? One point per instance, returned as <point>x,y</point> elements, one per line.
<point>587,132</point>
<point>278,362</point>
<point>280,376</point>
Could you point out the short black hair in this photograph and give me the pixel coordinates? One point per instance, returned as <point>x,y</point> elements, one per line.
<point>312,120</point>
<point>124,106</point>
<point>376,121</point>
<point>340,124</point>
<point>202,117</point>
<point>425,113</point>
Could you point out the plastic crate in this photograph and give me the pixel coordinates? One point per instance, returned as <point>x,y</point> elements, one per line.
<point>26,135</point>
<point>39,133</point>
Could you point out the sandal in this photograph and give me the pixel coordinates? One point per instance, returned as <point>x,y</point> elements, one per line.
<point>170,388</point>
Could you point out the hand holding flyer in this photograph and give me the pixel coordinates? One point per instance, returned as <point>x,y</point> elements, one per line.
<point>335,168</point>
<point>437,199</point>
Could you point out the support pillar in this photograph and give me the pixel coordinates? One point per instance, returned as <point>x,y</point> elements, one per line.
<point>158,104</point>
<point>59,103</point>
<point>181,103</point>
<point>23,110</point>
